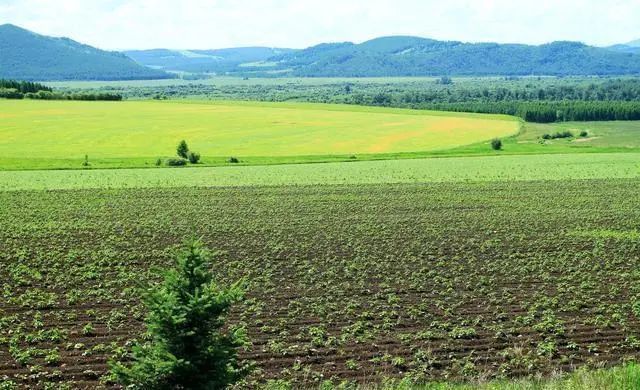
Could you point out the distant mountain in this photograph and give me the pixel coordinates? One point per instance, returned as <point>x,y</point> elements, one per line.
<point>635,43</point>
<point>25,55</point>
<point>411,56</point>
<point>629,47</point>
<point>402,56</point>
<point>28,56</point>
<point>205,61</point>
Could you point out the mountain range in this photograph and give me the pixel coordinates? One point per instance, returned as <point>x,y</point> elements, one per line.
<point>411,56</point>
<point>203,61</point>
<point>28,56</point>
<point>404,56</point>
<point>25,55</point>
<point>630,47</point>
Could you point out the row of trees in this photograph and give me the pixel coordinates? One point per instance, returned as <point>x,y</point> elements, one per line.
<point>12,93</point>
<point>13,89</point>
<point>547,112</point>
<point>23,86</point>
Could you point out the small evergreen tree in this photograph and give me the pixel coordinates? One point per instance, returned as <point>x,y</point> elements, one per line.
<point>496,144</point>
<point>183,149</point>
<point>186,348</point>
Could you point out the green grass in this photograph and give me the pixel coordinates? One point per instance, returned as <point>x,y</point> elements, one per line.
<point>51,130</point>
<point>603,137</point>
<point>618,378</point>
<point>455,169</point>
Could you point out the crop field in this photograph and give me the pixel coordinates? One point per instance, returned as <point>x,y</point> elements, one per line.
<point>347,282</point>
<point>376,264</point>
<point>59,130</point>
<point>469,169</point>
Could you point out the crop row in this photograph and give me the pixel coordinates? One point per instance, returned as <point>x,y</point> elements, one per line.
<point>353,282</point>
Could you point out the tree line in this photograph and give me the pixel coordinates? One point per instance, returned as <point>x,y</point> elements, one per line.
<point>24,86</point>
<point>12,89</point>
<point>547,112</point>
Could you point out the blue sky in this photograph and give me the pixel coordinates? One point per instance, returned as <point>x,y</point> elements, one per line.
<point>203,24</point>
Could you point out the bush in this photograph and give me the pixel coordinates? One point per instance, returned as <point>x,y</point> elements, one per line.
<point>496,144</point>
<point>183,149</point>
<point>176,162</point>
<point>233,160</point>
<point>193,157</point>
<point>45,95</point>
<point>187,347</point>
<point>560,135</point>
<point>564,134</point>
<point>444,80</point>
<point>158,162</point>
<point>584,134</point>
<point>10,93</point>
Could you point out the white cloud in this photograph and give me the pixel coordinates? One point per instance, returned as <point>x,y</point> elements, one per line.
<point>122,24</point>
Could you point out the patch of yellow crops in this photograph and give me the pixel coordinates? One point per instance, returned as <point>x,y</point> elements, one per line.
<point>63,129</point>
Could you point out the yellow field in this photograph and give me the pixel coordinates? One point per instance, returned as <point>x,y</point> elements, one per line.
<point>69,130</point>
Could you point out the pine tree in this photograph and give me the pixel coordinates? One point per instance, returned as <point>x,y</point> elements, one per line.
<point>183,149</point>
<point>187,348</point>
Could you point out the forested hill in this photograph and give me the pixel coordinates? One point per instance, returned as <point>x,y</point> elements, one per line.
<point>411,56</point>
<point>206,61</point>
<point>629,47</point>
<point>403,56</point>
<point>25,55</point>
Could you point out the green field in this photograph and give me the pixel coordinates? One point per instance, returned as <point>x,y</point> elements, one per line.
<point>455,169</point>
<point>51,133</point>
<point>427,257</point>
<point>603,137</point>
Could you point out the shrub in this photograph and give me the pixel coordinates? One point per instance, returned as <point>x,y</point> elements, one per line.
<point>187,348</point>
<point>496,144</point>
<point>564,134</point>
<point>233,160</point>
<point>584,134</point>
<point>176,162</point>
<point>560,135</point>
<point>158,162</point>
<point>46,95</point>
<point>10,93</point>
<point>183,149</point>
<point>193,157</point>
<point>86,163</point>
<point>444,80</point>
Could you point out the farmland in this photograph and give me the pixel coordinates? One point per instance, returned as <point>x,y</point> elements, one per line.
<point>453,169</point>
<point>377,243</point>
<point>140,132</point>
<point>335,196</point>
<point>472,264</point>
<point>454,280</point>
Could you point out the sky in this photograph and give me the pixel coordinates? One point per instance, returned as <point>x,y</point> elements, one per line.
<point>210,24</point>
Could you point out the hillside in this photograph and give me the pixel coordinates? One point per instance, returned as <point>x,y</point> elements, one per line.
<point>411,56</point>
<point>204,61</point>
<point>25,55</point>
<point>629,47</point>
<point>403,56</point>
